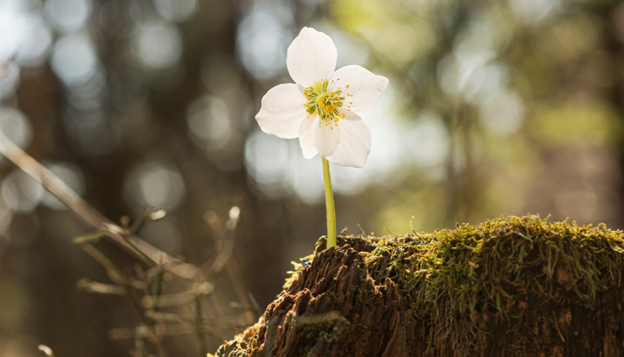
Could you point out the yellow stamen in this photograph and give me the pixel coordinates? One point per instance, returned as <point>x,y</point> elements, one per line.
<point>325,102</point>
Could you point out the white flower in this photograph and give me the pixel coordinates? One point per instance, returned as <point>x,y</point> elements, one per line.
<point>323,108</point>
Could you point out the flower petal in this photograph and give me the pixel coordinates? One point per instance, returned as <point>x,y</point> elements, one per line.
<point>350,115</point>
<point>360,87</point>
<point>311,57</point>
<point>355,143</point>
<point>281,111</point>
<point>307,144</point>
<point>326,138</point>
<point>307,123</point>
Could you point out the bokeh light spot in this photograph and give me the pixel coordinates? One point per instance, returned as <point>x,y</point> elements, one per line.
<point>68,15</point>
<point>307,177</point>
<point>20,192</point>
<point>266,158</point>
<point>209,120</point>
<point>263,37</point>
<point>23,35</point>
<point>502,114</point>
<point>34,47</point>
<point>15,126</point>
<point>427,142</point>
<point>533,11</point>
<point>155,184</point>
<point>175,10</point>
<point>74,59</point>
<point>157,45</point>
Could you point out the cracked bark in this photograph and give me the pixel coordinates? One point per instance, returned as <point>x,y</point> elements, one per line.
<point>334,308</point>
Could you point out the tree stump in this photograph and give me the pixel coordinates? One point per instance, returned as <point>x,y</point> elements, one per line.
<point>516,286</point>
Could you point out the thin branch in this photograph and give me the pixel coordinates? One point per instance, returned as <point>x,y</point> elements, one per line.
<point>199,327</point>
<point>228,243</point>
<point>89,214</point>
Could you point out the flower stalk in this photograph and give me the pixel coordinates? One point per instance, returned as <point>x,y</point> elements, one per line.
<point>329,204</point>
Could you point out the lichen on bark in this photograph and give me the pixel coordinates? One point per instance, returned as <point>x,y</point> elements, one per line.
<point>510,286</point>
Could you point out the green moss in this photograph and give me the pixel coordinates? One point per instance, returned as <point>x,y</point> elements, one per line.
<point>451,276</point>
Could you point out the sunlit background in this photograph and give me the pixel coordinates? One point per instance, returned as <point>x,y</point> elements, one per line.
<point>494,108</point>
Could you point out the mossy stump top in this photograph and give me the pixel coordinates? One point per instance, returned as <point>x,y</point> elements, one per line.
<point>516,286</point>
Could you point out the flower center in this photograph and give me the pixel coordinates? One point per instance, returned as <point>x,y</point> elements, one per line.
<point>324,102</point>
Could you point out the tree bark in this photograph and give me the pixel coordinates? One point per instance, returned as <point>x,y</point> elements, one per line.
<point>350,302</point>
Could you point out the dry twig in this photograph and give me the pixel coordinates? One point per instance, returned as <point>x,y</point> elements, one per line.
<point>89,214</point>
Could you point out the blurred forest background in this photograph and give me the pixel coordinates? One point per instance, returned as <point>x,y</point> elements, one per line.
<point>495,107</point>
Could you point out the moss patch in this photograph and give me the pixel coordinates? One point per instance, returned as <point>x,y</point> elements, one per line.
<point>515,286</point>
<point>457,279</point>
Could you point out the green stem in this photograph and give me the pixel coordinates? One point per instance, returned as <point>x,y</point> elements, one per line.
<point>329,204</point>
